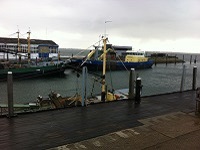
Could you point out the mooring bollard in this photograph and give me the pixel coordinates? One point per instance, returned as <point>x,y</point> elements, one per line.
<point>10,94</point>
<point>131,92</point>
<point>194,79</point>
<point>138,90</point>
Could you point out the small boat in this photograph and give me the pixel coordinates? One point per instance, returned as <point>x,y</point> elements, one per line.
<point>131,59</point>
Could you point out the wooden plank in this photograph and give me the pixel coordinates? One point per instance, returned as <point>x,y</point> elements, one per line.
<point>53,128</point>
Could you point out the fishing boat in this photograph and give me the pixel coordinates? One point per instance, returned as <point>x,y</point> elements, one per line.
<point>25,71</point>
<point>56,101</point>
<point>126,61</point>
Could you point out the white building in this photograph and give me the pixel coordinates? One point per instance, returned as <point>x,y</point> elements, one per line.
<point>38,48</point>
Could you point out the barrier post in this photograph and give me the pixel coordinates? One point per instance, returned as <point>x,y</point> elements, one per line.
<point>131,92</point>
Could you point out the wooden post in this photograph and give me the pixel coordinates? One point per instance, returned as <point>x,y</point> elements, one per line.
<point>156,59</point>
<point>195,60</point>
<point>84,86</point>
<point>7,56</point>
<point>183,80</point>
<point>166,59</point>
<point>10,94</point>
<point>175,59</point>
<point>18,42</point>
<point>131,92</point>
<point>194,79</point>
<point>29,46</point>
<point>183,59</point>
<point>190,59</point>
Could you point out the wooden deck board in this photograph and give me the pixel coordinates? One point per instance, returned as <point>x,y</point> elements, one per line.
<point>53,128</point>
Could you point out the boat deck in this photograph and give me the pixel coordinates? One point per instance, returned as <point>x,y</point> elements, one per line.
<point>49,129</point>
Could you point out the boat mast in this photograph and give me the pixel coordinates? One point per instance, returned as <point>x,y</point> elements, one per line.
<point>18,43</point>
<point>103,91</point>
<point>29,45</point>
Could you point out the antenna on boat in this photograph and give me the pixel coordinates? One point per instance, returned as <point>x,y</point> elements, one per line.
<point>105,26</point>
<point>29,45</point>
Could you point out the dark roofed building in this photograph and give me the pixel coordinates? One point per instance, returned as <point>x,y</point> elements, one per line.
<point>121,50</point>
<point>25,41</point>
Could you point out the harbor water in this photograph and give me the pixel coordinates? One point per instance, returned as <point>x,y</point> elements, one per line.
<point>159,79</point>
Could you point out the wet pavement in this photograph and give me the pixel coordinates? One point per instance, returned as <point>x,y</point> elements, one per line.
<point>52,129</point>
<point>171,131</point>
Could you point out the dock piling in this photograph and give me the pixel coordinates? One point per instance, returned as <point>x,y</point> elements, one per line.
<point>194,79</point>
<point>175,59</point>
<point>131,92</point>
<point>155,59</point>
<point>190,59</point>
<point>183,79</point>
<point>195,60</point>
<point>10,94</point>
<point>84,86</point>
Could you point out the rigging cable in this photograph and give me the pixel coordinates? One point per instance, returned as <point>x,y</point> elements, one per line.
<point>87,57</point>
<point>120,59</point>
<point>87,48</point>
<point>95,80</point>
<point>122,63</point>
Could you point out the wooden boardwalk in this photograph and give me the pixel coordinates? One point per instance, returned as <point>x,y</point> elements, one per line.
<point>49,129</point>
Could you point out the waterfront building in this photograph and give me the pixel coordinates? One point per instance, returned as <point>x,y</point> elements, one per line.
<point>38,48</point>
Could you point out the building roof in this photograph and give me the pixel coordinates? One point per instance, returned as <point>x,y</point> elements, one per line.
<point>25,41</point>
<point>122,48</point>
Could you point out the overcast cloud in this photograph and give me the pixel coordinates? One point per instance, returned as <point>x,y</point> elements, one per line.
<point>168,25</point>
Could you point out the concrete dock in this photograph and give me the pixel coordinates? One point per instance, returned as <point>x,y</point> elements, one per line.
<point>159,122</point>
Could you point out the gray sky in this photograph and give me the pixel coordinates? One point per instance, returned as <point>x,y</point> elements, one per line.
<point>160,25</point>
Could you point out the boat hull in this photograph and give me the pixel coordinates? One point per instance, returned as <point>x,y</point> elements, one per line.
<point>95,65</point>
<point>32,72</point>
